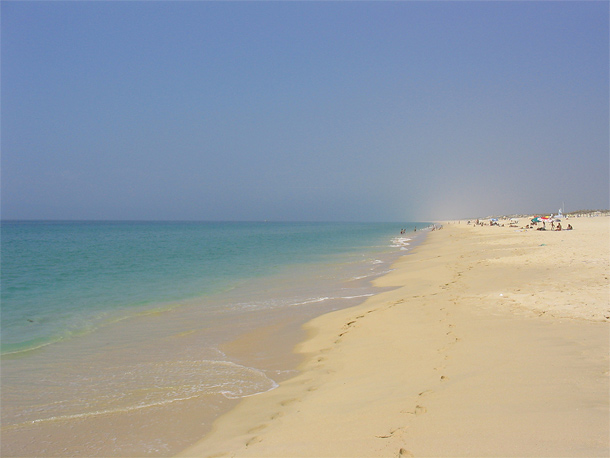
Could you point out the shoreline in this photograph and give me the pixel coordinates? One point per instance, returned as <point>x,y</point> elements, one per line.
<point>204,356</point>
<point>492,341</point>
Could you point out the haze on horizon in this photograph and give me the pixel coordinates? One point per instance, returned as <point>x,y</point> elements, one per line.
<point>303,111</point>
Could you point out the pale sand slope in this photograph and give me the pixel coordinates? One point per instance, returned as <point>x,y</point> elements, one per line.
<point>473,355</point>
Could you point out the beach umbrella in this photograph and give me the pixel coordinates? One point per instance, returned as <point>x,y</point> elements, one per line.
<point>537,219</point>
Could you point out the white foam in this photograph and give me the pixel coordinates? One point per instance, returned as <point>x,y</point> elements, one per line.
<point>229,395</point>
<point>357,297</point>
<point>400,242</point>
<point>312,300</point>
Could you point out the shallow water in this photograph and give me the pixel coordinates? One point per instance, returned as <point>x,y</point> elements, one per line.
<point>147,377</point>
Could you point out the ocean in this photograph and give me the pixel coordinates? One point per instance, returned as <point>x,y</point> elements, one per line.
<point>117,330</point>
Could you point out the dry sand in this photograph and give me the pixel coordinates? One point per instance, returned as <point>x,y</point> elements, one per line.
<point>495,342</point>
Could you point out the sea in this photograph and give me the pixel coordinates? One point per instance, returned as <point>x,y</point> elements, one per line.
<point>129,338</point>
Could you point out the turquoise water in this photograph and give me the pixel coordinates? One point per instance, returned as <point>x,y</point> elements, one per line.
<point>60,279</point>
<point>116,329</point>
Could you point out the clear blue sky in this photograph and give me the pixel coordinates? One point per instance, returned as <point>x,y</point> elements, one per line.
<point>363,111</point>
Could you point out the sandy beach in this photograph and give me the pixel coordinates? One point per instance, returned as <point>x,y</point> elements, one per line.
<point>493,342</point>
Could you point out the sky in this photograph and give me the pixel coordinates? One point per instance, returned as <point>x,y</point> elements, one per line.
<point>303,111</point>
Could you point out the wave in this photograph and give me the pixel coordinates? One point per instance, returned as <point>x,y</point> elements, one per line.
<point>143,386</point>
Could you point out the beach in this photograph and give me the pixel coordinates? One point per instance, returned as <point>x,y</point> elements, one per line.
<point>487,341</point>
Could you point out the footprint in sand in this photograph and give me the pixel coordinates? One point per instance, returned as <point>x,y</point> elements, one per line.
<point>256,429</point>
<point>392,432</point>
<point>404,453</point>
<point>288,402</point>
<point>420,410</point>
<point>254,440</point>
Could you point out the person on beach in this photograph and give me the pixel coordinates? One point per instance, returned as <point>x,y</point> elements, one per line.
<point>558,227</point>
<point>569,228</point>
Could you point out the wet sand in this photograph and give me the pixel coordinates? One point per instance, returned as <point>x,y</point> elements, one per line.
<point>493,342</point>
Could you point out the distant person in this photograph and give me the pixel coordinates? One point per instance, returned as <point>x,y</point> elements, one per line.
<point>558,227</point>
<point>569,228</point>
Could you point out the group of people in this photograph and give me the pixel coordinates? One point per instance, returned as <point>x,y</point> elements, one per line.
<point>433,227</point>
<point>404,231</point>
<point>553,227</point>
<point>558,227</point>
<point>532,225</point>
